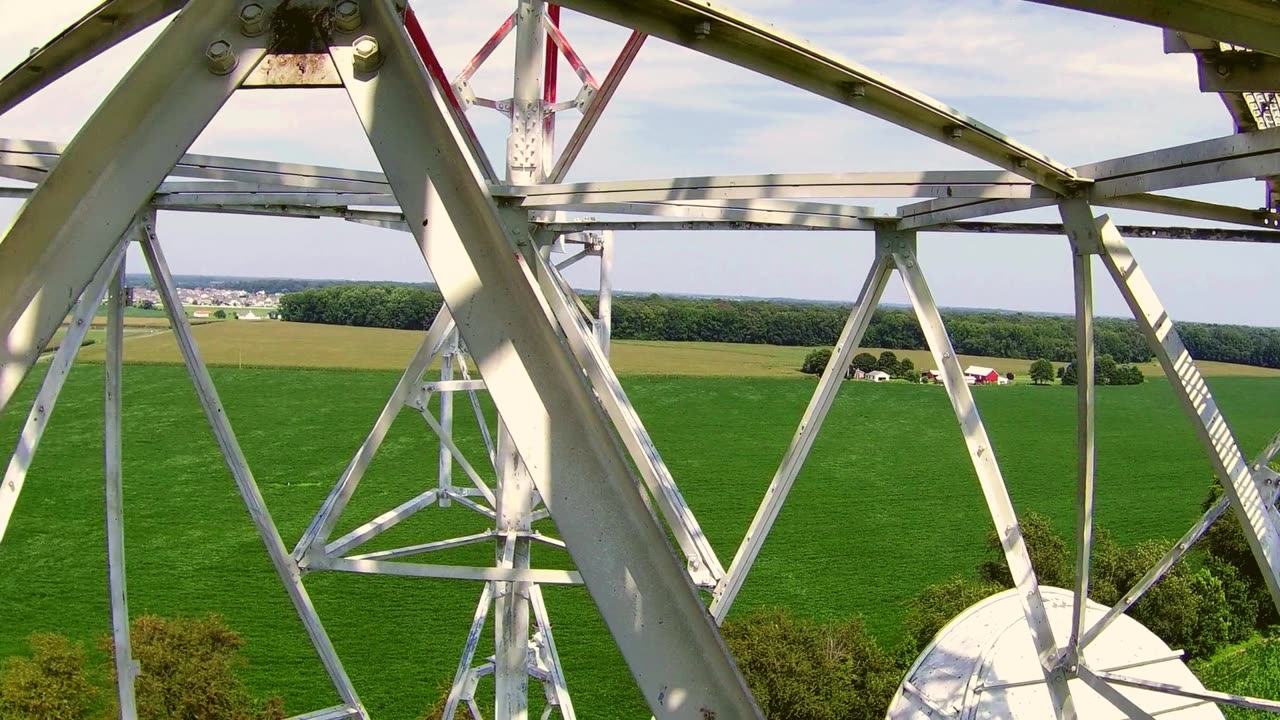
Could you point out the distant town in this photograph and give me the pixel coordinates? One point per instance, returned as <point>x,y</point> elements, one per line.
<point>209,297</point>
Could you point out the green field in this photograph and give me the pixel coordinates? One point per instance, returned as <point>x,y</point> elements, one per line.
<point>888,503</point>
<point>283,344</point>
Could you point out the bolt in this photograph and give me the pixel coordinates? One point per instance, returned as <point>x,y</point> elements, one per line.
<point>1224,69</point>
<point>253,20</point>
<point>221,59</point>
<point>702,30</point>
<point>955,132</point>
<point>347,15</point>
<point>368,55</point>
<point>859,90</point>
<point>1020,163</point>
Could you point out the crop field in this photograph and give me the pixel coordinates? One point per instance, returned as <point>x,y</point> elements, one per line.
<point>282,344</point>
<point>887,504</point>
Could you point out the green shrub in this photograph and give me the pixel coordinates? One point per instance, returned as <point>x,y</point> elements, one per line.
<point>1197,609</point>
<point>935,606</point>
<point>1053,561</point>
<point>49,685</point>
<point>804,670</point>
<point>1225,542</point>
<point>815,363</point>
<point>189,668</point>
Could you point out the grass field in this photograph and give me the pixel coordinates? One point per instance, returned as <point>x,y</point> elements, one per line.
<point>887,504</point>
<point>281,344</point>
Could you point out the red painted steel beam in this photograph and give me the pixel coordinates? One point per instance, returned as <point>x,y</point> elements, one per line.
<point>591,113</point>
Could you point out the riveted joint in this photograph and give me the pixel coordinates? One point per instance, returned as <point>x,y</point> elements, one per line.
<point>368,56</point>
<point>346,15</point>
<point>253,20</point>
<point>221,59</point>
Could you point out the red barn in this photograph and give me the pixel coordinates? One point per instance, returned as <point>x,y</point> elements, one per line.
<point>982,375</point>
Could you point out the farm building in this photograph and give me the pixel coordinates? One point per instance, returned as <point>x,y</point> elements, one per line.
<point>877,376</point>
<point>857,374</point>
<point>200,314</point>
<point>933,376</point>
<point>982,375</point>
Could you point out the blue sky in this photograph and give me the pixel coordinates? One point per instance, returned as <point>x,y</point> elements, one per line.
<point>1076,87</point>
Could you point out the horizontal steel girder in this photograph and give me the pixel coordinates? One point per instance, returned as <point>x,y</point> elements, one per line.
<point>1252,23</point>
<point>758,46</point>
<point>101,29</point>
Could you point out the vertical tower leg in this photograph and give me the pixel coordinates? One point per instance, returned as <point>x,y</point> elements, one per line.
<point>511,613</point>
<point>604,306</point>
<point>1078,221</point>
<point>125,668</point>
<point>446,417</point>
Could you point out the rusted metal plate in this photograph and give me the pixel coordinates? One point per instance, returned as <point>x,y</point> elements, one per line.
<point>295,70</point>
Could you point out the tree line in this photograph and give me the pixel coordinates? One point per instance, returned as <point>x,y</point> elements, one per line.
<point>654,317</point>
<point>268,285</point>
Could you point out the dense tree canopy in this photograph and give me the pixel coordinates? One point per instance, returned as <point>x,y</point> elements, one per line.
<point>654,317</point>
<point>1041,371</point>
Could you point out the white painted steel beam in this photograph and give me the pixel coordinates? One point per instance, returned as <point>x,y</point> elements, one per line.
<point>295,199</point>
<point>802,442</point>
<point>1156,232</point>
<point>337,712</point>
<point>923,215</point>
<point>1077,219</point>
<point>941,184</point>
<point>444,457</point>
<point>286,568</point>
<point>447,443</point>
<point>604,296</point>
<point>703,565</point>
<point>126,670</point>
<point>101,29</point>
<point>454,572</point>
<point>424,548</point>
<point>781,212</point>
<point>1234,157</point>
<point>15,474</point>
<point>647,601</point>
<point>981,453</point>
<point>1252,23</point>
<point>1182,207</point>
<point>1117,699</point>
<point>46,155</point>
<point>381,524</point>
<point>69,226</point>
<point>321,526</point>
<point>1221,698</point>
<point>458,692</point>
<point>733,37</point>
<point>1258,520</point>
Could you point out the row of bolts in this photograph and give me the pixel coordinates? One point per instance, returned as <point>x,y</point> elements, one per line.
<point>253,22</point>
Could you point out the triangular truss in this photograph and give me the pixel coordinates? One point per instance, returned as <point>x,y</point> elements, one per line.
<point>567,437</point>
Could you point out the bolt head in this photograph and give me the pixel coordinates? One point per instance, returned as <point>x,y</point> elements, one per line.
<point>253,19</point>
<point>221,59</point>
<point>368,56</point>
<point>346,15</point>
